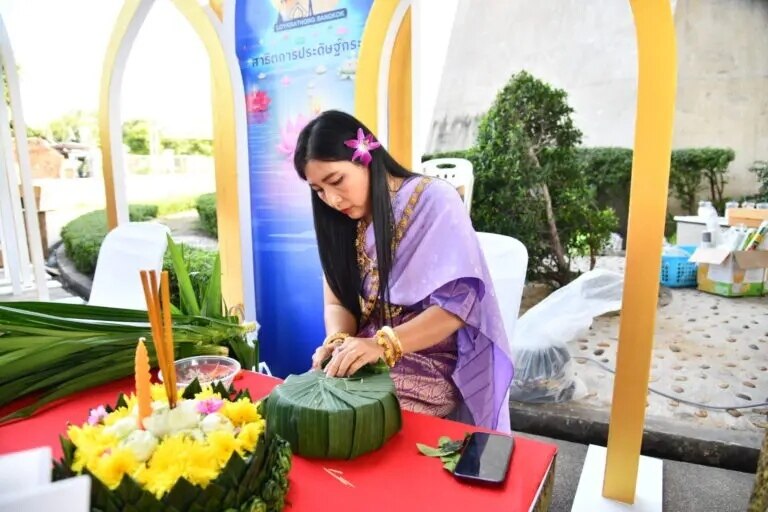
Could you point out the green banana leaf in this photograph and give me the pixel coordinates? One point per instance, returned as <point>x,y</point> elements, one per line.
<point>334,418</point>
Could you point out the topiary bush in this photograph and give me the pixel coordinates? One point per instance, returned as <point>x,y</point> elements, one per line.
<point>528,181</point>
<point>608,172</point>
<point>690,167</point>
<point>206,209</point>
<point>83,236</point>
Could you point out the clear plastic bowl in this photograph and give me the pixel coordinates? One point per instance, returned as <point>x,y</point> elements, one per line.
<point>207,370</point>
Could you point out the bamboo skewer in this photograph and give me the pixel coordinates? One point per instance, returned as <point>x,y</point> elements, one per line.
<point>162,328</point>
<point>168,325</point>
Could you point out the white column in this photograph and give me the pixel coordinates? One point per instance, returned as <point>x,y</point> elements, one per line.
<point>34,240</point>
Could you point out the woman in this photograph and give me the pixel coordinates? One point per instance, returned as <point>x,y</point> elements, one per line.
<point>405,278</point>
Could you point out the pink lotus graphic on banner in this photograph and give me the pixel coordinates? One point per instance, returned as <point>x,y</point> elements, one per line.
<point>289,133</point>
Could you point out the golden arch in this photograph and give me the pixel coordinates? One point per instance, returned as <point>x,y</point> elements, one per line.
<point>655,34</point>
<point>225,139</point>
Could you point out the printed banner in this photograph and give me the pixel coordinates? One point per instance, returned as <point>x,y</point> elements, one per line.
<point>298,58</point>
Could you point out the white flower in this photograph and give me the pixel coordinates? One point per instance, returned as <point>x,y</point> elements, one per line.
<point>216,421</point>
<point>141,443</point>
<point>194,433</point>
<point>122,427</point>
<point>165,422</point>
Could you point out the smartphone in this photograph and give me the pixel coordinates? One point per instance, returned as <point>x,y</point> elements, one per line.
<point>485,458</point>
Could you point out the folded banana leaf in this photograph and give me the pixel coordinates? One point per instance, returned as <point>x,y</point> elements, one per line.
<point>334,418</point>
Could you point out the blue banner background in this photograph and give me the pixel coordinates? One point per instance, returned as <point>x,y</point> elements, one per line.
<point>294,66</point>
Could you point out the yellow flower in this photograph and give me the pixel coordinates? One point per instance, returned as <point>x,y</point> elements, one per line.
<point>90,441</point>
<point>241,412</point>
<point>249,435</point>
<point>111,466</point>
<point>157,479</point>
<point>116,415</point>
<point>199,465</point>
<point>207,393</point>
<point>221,445</point>
<point>157,392</point>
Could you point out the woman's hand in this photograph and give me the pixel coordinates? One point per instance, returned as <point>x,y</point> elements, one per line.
<point>352,355</point>
<point>322,353</point>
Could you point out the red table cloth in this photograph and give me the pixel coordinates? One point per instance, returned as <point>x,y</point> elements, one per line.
<point>396,477</point>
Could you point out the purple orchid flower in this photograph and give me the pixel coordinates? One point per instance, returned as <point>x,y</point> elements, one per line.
<point>209,405</point>
<point>363,145</point>
<point>96,415</point>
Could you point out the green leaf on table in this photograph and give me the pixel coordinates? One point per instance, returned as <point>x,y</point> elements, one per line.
<point>448,450</point>
<point>429,451</point>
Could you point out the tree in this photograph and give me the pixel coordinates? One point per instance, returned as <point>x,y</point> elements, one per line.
<point>73,127</point>
<point>136,135</point>
<point>529,183</point>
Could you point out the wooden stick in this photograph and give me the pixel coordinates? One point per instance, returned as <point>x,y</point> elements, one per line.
<point>149,282</point>
<point>168,334</point>
<point>152,314</point>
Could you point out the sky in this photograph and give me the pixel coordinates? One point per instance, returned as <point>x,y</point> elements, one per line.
<point>59,46</point>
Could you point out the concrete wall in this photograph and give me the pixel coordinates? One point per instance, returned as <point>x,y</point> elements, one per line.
<point>589,49</point>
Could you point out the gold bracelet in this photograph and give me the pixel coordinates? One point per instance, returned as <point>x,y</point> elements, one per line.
<point>332,339</point>
<point>389,355</point>
<point>395,340</point>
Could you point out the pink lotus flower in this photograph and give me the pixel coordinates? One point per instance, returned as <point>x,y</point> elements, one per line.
<point>363,145</point>
<point>258,101</point>
<point>97,415</point>
<point>209,405</point>
<point>289,133</point>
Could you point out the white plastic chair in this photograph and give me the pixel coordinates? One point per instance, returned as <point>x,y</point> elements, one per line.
<point>507,260</point>
<point>126,250</point>
<point>456,171</point>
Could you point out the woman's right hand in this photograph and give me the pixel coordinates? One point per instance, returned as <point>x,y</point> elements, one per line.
<point>322,353</point>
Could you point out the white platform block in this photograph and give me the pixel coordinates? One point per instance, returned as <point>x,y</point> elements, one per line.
<point>589,494</point>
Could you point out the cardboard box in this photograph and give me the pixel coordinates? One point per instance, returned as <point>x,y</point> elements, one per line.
<point>731,273</point>
<point>750,217</point>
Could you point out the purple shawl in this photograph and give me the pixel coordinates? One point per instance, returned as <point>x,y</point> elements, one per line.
<point>440,246</point>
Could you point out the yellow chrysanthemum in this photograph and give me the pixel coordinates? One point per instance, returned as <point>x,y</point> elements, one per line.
<point>157,392</point>
<point>111,466</point>
<point>165,467</point>
<point>249,435</point>
<point>116,415</point>
<point>241,412</point>
<point>158,479</point>
<point>90,443</point>
<point>200,467</point>
<point>207,393</point>
<point>221,445</point>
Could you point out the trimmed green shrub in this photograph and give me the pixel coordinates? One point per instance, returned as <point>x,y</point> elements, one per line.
<point>760,169</point>
<point>206,209</point>
<point>690,167</point>
<point>83,236</point>
<point>528,181</point>
<point>608,171</point>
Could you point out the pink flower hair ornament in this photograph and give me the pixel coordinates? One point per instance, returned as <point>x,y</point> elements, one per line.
<point>362,145</point>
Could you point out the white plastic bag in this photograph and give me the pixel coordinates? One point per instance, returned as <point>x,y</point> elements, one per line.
<point>543,366</point>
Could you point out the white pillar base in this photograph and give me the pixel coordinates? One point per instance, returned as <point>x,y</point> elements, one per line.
<point>589,494</point>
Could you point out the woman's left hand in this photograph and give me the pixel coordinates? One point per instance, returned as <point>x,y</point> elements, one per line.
<point>353,355</point>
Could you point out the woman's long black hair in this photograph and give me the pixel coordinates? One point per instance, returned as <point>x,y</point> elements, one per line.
<point>323,139</point>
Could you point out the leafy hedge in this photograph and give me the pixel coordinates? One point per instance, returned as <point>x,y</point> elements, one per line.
<point>528,183</point>
<point>206,209</point>
<point>83,236</point>
<point>695,173</point>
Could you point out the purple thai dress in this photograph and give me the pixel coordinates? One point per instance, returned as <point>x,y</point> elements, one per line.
<point>438,261</point>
